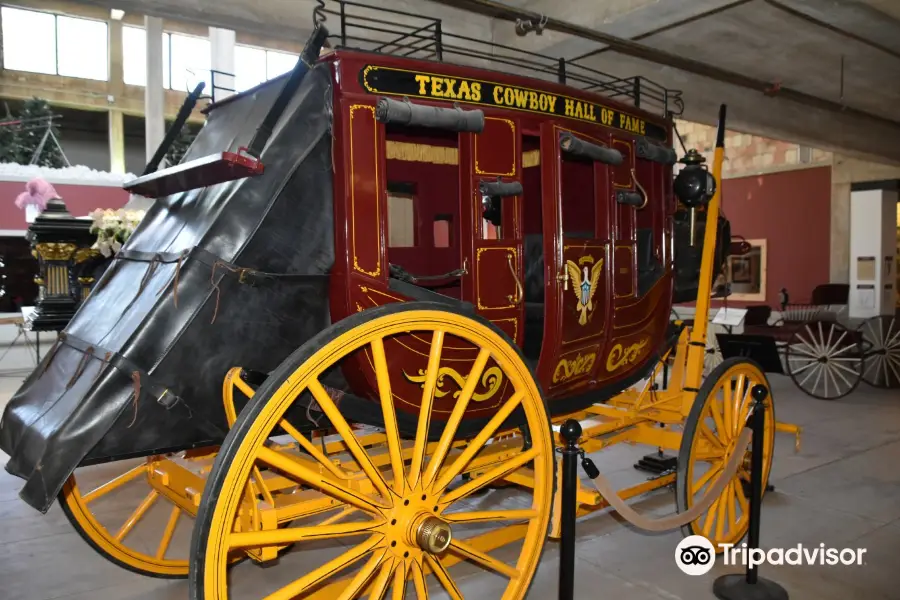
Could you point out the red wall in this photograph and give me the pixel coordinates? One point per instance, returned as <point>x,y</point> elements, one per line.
<point>792,211</point>
<point>79,199</point>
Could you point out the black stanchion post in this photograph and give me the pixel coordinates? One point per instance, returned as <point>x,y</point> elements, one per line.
<point>751,586</point>
<point>570,432</point>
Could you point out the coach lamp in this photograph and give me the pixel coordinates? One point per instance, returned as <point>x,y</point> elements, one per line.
<point>694,185</point>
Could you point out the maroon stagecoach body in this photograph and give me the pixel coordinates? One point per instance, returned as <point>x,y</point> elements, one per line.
<point>545,209</point>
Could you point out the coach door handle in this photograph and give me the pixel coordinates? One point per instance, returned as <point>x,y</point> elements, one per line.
<point>517,299</point>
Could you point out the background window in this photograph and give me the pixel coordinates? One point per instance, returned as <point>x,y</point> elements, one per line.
<point>190,61</point>
<point>279,63</point>
<point>82,48</point>
<point>29,40</point>
<point>442,231</point>
<point>134,60</point>
<point>401,220</point>
<point>249,67</point>
<point>42,42</point>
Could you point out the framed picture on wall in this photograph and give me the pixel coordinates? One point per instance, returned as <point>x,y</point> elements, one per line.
<point>747,273</point>
<point>741,269</point>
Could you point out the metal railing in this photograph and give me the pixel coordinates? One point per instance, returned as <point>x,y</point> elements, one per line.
<point>389,31</point>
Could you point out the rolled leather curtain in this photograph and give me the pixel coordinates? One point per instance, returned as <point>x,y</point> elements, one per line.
<point>646,149</point>
<point>502,189</point>
<point>417,115</point>
<point>578,147</point>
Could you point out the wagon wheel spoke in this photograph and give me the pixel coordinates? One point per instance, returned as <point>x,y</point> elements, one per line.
<point>443,577</point>
<point>332,567</point>
<point>114,484</point>
<point>479,557</point>
<point>398,588</point>
<point>462,402</point>
<point>327,485</point>
<point>137,515</point>
<point>419,581</point>
<point>168,532</point>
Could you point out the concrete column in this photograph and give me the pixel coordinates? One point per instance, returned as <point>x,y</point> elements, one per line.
<point>116,91</point>
<point>154,92</point>
<point>873,247</point>
<point>221,45</point>
<point>116,141</point>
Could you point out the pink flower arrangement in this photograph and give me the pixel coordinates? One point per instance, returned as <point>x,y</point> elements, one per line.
<point>38,192</point>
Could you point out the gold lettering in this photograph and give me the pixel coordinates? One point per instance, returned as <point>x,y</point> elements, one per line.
<point>422,79</point>
<point>521,98</point>
<point>533,97</point>
<point>543,103</point>
<point>620,357</point>
<point>580,366</point>
<point>622,121</point>
<point>463,92</point>
<point>498,94</point>
<point>552,101</point>
<point>570,107</point>
<point>590,112</point>
<point>476,92</point>
<point>579,110</point>
<point>643,127</point>
<point>436,84</point>
<point>509,97</point>
<point>450,93</point>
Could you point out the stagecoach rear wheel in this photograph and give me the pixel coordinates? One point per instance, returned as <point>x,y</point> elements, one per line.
<point>403,518</point>
<point>117,512</point>
<point>881,344</point>
<point>718,415</point>
<point>825,359</point>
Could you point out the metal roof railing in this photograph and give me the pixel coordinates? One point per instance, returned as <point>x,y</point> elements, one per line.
<point>401,33</point>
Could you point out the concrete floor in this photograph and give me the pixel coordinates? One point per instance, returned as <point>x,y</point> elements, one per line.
<point>842,489</point>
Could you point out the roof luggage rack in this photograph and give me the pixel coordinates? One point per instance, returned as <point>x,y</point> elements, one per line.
<point>223,166</point>
<point>399,33</point>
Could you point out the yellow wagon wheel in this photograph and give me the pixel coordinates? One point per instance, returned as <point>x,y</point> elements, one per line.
<point>412,519</point>
<point>126,521</point>
<point>718,415</point>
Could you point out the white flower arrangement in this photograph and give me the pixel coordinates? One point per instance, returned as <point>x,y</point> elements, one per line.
<point>113,228</point>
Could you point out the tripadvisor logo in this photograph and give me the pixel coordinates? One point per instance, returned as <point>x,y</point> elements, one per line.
<point>796,555</point>
<point>695,555</point>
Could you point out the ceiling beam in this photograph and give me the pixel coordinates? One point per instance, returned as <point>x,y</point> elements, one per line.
<point>498,10</point>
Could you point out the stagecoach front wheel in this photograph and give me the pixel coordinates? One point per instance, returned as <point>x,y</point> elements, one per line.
<point>825,359</point>
<point>387,514</point>
<point>881,341</point>
<point>718,415</point>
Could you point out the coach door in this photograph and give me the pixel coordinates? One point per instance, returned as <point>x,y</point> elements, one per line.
<point>577,247</point>
<point>495,213</point>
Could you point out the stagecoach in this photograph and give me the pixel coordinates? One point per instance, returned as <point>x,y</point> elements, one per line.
<point>361,307</point>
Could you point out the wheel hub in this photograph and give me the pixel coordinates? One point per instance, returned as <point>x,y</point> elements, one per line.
<point>433,535</point>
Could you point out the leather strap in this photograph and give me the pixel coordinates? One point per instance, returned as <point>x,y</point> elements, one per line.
<point>162,393</point>
<point>675,521</point>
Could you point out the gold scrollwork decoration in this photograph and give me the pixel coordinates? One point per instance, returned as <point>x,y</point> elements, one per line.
<point>84,254</point>
<point>55,250</point>
<point>579,366</point>
<point>492,380</point>
<point>620,356</point>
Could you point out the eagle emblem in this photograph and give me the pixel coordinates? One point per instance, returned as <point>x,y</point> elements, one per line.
<point>584,285</point>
